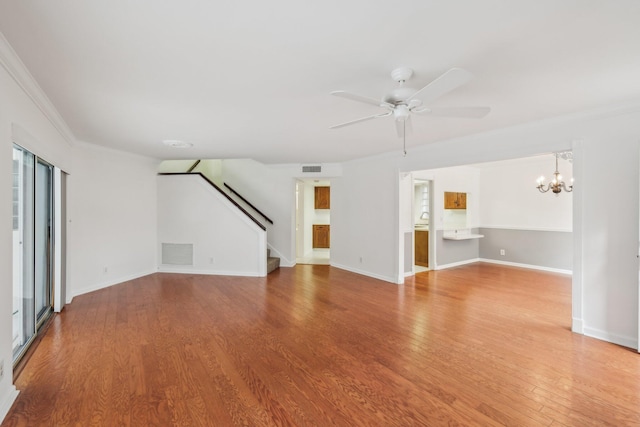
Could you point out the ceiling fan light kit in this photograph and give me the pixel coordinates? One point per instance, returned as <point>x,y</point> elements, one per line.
<point>404,100</point>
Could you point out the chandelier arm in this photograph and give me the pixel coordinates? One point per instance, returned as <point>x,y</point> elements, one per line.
<point>542,189</point>
<point>567,189</point>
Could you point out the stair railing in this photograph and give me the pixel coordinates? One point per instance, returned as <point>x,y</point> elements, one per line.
<point>248,203</point>
<point>221,192</point>
<point>193,166</point>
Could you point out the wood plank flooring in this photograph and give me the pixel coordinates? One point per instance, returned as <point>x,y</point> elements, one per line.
<point>478,345</point>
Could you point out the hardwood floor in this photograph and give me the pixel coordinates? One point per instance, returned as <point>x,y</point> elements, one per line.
<point>475,345</point>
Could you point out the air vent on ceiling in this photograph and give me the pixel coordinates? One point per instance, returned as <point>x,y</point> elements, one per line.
<point>177,253</point>
<point>311,169</point>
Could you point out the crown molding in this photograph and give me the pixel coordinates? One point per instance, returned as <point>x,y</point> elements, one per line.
<point>11,62</point>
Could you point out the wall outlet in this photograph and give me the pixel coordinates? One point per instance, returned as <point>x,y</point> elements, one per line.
<point>211,260</point>
<point>502,252</point>
<point>360,260</point>
<point>106,270</point>
<point>1,369</point>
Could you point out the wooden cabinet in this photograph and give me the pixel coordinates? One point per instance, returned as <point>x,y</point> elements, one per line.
<point>321,236</point>
<point>322,198</point>
<point>422,248</point>
<point>455,200</point>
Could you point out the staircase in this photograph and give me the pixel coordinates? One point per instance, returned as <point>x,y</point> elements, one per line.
<point>272,262</point>
<point>243,204</point>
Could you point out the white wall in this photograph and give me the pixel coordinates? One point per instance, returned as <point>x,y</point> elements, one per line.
<point>212,169</point>
<point>273,193</point>
<point>607,245</point>
<point>409,211</point>
<point>458,179</point>
<point>509,198</point>
<point>111,218</point>
<point>272,190</point>
<point>175,166</point>
<point>365,218</point>
<point>225,241</point>
<point>365,215</point>
<point>22,120</point>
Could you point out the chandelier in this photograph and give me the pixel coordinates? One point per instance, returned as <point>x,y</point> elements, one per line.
<point>556,185</point>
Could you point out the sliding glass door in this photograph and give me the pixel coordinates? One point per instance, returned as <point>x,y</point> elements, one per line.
<point>43,241</point>
<point>32,246</point>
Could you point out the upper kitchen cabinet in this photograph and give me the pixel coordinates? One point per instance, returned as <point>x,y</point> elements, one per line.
<point>322,198</point>
<point>455,200</point>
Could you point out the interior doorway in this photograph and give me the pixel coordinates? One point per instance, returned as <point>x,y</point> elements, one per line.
<point>421,215</point>
<point>512,223</point>
<point>313,221</point>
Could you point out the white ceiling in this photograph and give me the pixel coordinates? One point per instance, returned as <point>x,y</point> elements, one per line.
<point>252,79</point>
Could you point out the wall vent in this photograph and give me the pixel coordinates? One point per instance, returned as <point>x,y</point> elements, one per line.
<point>177,253</point>
<point>312,169</point>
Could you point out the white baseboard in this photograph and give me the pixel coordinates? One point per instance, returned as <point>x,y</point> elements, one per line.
<point>612,338</point>
<point>108,283</point>
<point>6,402</point>
<point>530,266</point>
<point>365,273</point>
<point>456,264</point>
<point>164,269</point>
<point>577,326</point>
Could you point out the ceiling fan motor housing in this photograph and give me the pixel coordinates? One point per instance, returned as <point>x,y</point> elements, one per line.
<point>399,95</point>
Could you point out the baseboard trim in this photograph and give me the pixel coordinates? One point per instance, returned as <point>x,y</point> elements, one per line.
<point>530,266</point>
<point>577,326</point>
<point>7,401</point>
<point>365,273</point>
<point>456,264</point>
<point>162,269</point>
<point>612,338</point>
<point>108,283</point>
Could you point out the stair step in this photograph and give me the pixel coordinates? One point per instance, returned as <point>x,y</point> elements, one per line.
<point>272,264</point>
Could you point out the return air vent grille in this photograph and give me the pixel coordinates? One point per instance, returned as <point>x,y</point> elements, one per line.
<point>311,169</point>
<point>177,253</point>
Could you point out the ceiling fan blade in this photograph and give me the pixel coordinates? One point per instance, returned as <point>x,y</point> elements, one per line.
<point>360,98</point>
<point>447,82</point>
<point>404,128</point>
<point>464,112</point>
<point>363,119</point>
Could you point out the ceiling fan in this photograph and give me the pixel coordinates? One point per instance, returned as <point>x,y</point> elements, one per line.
<point>404,101</point>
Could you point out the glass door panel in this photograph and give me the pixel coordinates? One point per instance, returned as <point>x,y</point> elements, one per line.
<point>23,250</point>
<point>43,239</point>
